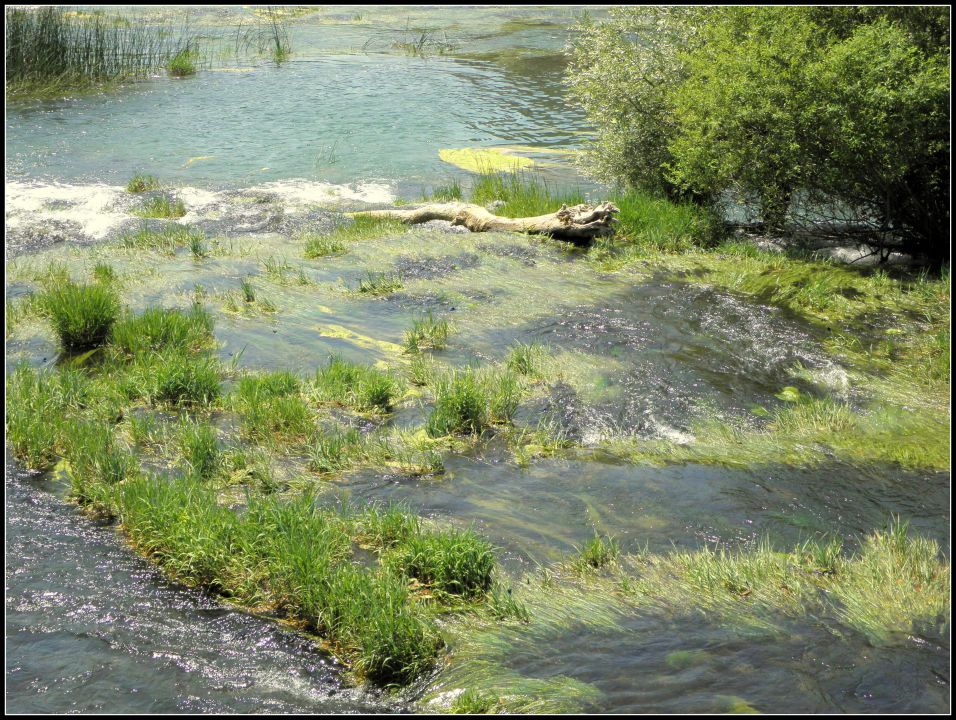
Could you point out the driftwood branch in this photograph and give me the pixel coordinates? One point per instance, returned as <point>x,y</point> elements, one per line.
<point>578,223</point>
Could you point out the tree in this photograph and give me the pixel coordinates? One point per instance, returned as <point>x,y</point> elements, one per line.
<point>621,73</point>
<point>800,108</point>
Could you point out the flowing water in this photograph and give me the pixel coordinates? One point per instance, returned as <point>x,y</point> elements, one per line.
<point>258,152</point>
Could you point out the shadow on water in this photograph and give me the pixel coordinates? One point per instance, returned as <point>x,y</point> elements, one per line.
<point>542,512</point>
<point>91,627</point>
<point>690,665</point>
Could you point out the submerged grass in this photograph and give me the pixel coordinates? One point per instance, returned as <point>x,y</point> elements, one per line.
<point>362,387</point>
<point>472,399</point>
<point>427,333</point>
<point>166,240</point>
<point>362,227</point>
<point>161,207</point>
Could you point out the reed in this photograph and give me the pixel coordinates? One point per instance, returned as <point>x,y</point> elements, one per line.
<point>50,50</point>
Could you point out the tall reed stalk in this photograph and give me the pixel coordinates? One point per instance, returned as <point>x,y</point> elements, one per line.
<point>51,49</point>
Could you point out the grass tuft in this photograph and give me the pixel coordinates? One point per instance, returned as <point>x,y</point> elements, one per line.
<point>81,315</point>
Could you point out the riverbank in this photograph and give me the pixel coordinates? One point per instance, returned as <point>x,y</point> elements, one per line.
<point>612,382</point>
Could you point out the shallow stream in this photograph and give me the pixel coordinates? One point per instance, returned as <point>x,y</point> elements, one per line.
<point>260,153</point>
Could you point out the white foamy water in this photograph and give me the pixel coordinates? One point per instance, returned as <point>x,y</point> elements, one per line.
<point>92,208</point>
<point>310,192</point>
<point>91,212</point>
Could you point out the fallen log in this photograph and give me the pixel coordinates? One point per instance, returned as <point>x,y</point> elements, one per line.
<point>578,223</point>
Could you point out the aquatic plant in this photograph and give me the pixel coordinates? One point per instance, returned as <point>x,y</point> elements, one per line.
<point>158,329</point>
<point>597,553</point>
<point>322,245</point>
<point>198,247</point>
<point>173,377</point>
<point>447,193</point>
<point>363,387</point>
<point>247,291</point>
<point>472,399</point>
<point>141,183</point>
<point>427,332</point>
<point>161,207</point>
<point>200,449</point>
<point>527,359</point>
<point>183,63</point>
<point>166,240</point>
<point>451,561</point>
<point>476,702</point>
<point>362,227</point>
<point>331,451</point>
<point>521,193</point>
<point>52,49</point>
<point>81,315</point>
<point>95,460</point>
<point>381,283</point>
<point>104,273</point>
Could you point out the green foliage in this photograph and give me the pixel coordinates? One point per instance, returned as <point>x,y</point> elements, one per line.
<point>522,194</point>
<point>836,112</point>
<point>472,399</point>
<point>165,240</point>
<point>81,315</point>
<point>51,50</point>
<point>427,333</point>
<point>183,63</point>
<point>158,329</point>
<point>161,207</point>
<point>141,183</point>
<point>453,562</point>
<point>598,553</point>
<point>200,449</point>
<point>527,359</point>
<point>362,227</point>
<point>173,377</point>
<point>382,283</point>
<point>363,387</point>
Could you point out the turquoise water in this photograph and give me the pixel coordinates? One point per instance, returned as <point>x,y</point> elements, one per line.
<point>347,107</point>
<point>259,152</point>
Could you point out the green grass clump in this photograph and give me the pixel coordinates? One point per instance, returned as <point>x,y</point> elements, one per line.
<point>447,193</point>
<point>165,240</point>
<point>427,332</point>
<point>200,449</point>
<point>95,461</point>
<point>523,193</point>
<point>476,702</point>
<point>470,400</point>
<point>142,183</point>
<point>335,450</point>
<point>362,387</point>
<point>161,207</point>
<point>160,329</point>
<point>104,273</point>
<point>362,227</point>
<point>648,223</point>
<point>183,63</point>
<point>322,245</point>
<point>382,283</point>
<point>36,403</point>
<point>81,315</point>
<point>451,561</point>
<point>180,525</point>
<point>598,553</point>
<point>174,378</point>
<point>894,586</point>
<point>527,359</point>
